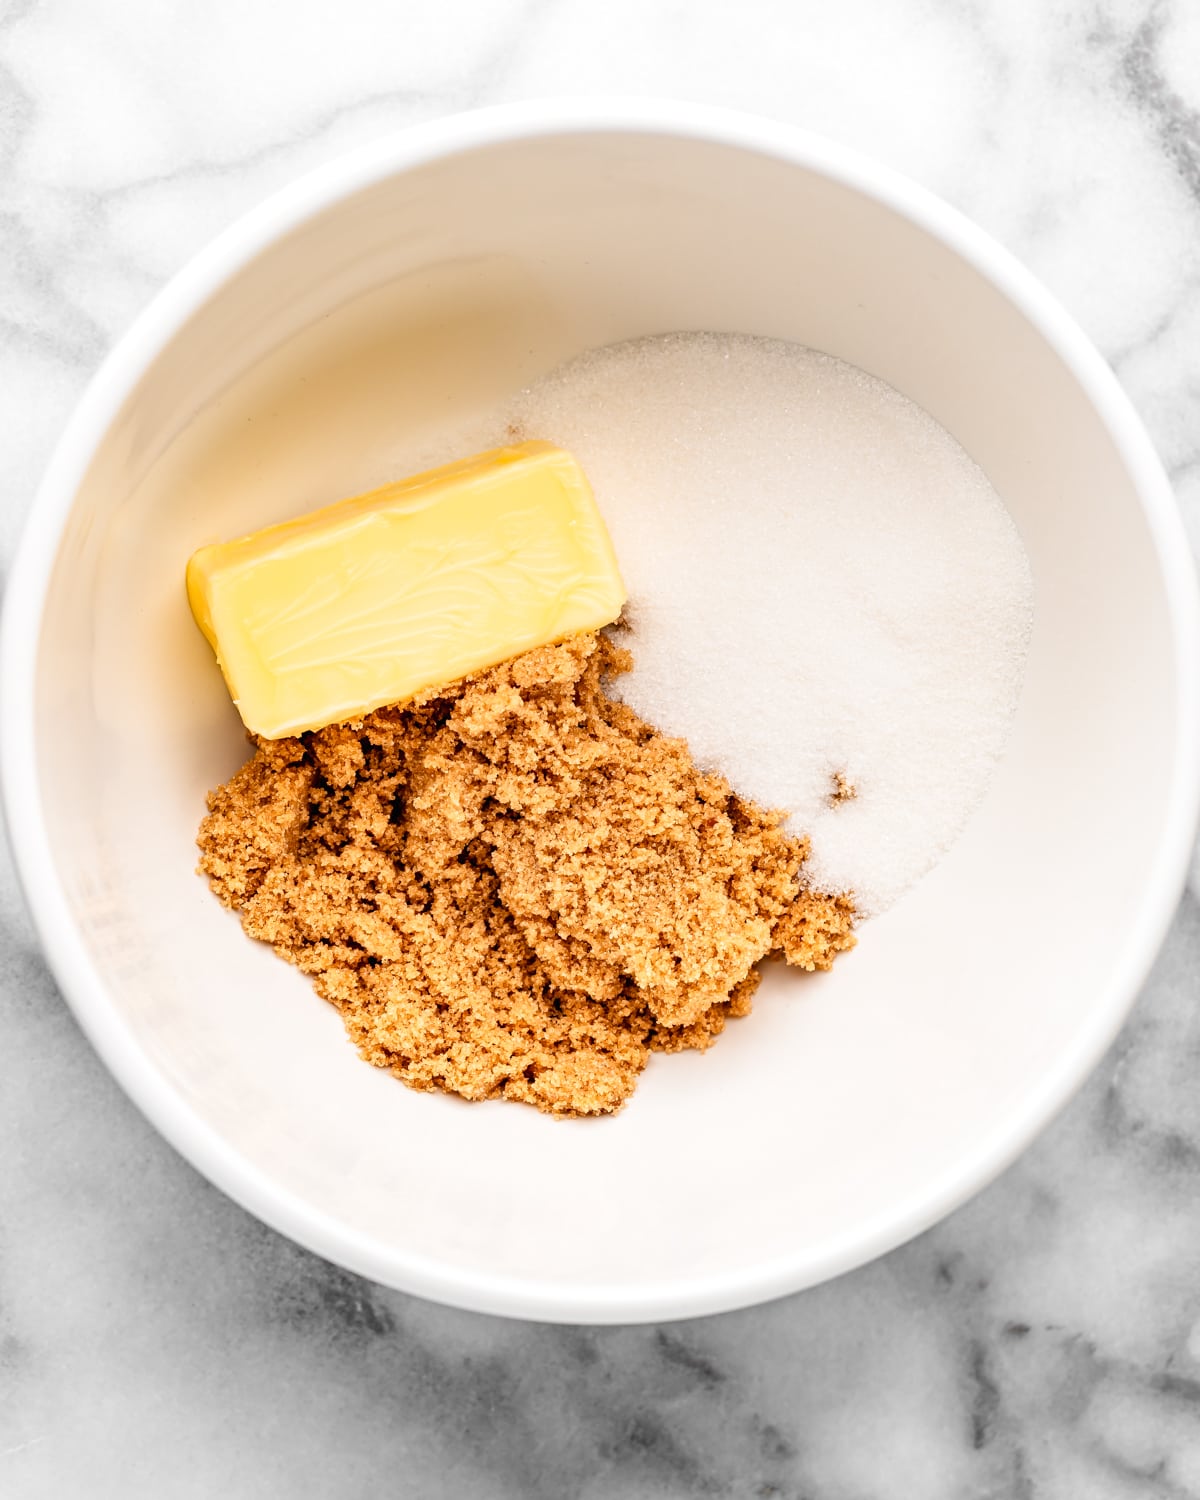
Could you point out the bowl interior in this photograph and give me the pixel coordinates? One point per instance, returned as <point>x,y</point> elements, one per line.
<point>852,1108</point>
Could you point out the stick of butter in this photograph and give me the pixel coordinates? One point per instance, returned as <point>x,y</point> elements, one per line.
<point>375,599</point>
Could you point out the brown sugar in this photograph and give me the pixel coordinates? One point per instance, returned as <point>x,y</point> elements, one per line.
<point>843,789</point>
<point>516,887</point>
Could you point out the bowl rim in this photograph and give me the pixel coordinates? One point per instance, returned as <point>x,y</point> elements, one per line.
<point>20,628</point>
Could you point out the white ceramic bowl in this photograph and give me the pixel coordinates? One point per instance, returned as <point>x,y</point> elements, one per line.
<point>391,292</point>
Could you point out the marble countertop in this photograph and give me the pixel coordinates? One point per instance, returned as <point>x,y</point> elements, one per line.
<point>157,1341</point>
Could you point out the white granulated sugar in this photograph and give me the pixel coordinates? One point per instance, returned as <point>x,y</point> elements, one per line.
<point>820,580</point>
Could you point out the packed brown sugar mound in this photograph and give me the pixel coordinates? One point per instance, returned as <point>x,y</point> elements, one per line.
<point>516,887</point>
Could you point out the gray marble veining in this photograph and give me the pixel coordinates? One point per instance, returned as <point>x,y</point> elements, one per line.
<point>154,1339</point>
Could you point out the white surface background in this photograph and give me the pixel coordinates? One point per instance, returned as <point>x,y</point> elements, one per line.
<point>155,1340</point>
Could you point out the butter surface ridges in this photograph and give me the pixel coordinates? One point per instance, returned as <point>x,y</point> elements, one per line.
<point>378,598</point>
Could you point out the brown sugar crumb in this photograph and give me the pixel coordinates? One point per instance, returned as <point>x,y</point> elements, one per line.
<point>843,790</point>
<point>515,887</point>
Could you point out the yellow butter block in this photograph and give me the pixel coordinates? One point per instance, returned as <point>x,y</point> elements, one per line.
<point>375,599</point>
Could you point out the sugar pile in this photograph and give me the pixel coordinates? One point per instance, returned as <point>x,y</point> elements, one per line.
<point>820,581</point>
